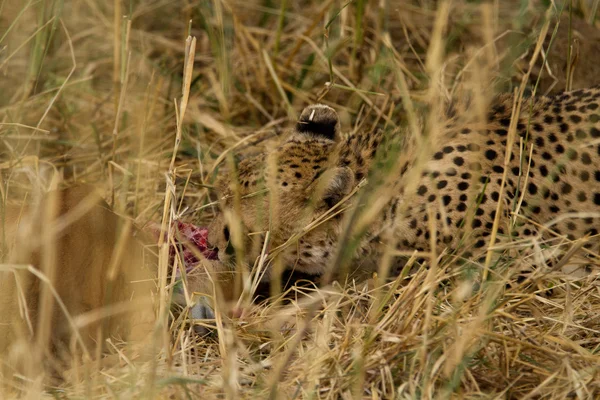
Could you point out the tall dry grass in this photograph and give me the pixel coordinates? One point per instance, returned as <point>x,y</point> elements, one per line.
<point>107,93</point>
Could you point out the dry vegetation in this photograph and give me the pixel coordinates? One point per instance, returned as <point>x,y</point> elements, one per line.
<point>92,92</point>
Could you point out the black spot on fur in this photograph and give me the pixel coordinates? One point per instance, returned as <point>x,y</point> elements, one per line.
<point>491,154</point>
<point>586,159</point>
<point>575,118</point>
<point>532,188</point>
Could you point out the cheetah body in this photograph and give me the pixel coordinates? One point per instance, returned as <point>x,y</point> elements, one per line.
<point>442,194</point>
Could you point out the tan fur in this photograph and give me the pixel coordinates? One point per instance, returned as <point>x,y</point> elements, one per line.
<point>87,272</point>
<point>103,273</point>
<point>455,190</point>
<point>292,205</point>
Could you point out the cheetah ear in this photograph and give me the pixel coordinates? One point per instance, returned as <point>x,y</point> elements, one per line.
<point>319,120</point>
<point>337,183</point>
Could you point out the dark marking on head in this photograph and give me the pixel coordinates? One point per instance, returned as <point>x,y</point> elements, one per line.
<point>319,120</point>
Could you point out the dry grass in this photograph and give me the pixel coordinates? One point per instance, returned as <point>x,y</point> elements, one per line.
<point>90,96</point>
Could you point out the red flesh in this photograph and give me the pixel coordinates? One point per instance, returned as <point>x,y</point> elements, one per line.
<point>187,237</point>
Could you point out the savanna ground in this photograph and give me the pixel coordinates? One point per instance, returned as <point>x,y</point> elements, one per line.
<point>112,94</point>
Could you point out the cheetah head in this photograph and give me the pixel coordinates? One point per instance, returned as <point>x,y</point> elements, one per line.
<point>291,198</point>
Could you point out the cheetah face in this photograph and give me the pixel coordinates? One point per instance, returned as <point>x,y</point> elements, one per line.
<point>285,203</point>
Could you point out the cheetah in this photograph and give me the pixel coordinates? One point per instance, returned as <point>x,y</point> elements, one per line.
<point>540,171</point>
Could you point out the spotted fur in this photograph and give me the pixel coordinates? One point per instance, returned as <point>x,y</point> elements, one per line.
<point>452,182</point>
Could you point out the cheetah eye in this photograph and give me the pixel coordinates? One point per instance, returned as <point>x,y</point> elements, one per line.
<point>226,233</point>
